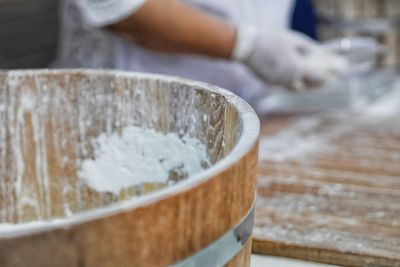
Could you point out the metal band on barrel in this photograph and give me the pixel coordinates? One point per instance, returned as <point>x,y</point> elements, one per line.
<point>225,248</point>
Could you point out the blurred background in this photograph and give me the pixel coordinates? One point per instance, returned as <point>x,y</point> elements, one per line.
<point>367,32</point>
<point>29,29</point>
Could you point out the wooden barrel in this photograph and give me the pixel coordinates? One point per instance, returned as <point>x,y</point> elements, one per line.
<point>379,19</point>
<point>47,122</point>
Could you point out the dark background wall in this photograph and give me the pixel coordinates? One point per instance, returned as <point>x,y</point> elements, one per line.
<point>28,33</point>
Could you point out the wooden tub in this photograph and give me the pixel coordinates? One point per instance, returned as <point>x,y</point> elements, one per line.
<point>47,120</point>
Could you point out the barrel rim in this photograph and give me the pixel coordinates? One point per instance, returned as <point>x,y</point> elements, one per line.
<point>248,139</point>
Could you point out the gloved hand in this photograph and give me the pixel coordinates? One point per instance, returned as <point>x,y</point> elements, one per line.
<point>287,58</point>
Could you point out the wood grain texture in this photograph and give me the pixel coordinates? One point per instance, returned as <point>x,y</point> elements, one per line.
<point>51,118</point>
<point>336,200</point>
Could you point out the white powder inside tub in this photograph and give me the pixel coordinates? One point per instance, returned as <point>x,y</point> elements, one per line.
<point>139,156</point>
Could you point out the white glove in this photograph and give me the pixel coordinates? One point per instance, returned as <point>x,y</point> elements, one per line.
<point>287,58</point>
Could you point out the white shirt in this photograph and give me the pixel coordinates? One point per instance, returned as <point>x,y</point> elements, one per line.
<point>271,13</point>
<point>97,48</point>
<point>100,13</point>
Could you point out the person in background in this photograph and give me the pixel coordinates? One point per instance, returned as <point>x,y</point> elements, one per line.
<point>240,45</point>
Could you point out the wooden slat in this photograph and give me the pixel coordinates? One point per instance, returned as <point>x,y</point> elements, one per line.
<point>337,203</point>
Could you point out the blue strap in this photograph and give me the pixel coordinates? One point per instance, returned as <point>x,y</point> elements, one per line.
<point>304,18</point>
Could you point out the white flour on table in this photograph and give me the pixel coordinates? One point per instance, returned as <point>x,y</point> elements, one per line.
<point>301,140</point>
<point>387,106</point>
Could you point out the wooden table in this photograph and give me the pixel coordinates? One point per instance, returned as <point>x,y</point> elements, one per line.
<point>329,189</point>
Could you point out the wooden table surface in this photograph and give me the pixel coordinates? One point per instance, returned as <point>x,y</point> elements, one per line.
<point>329,189</point>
